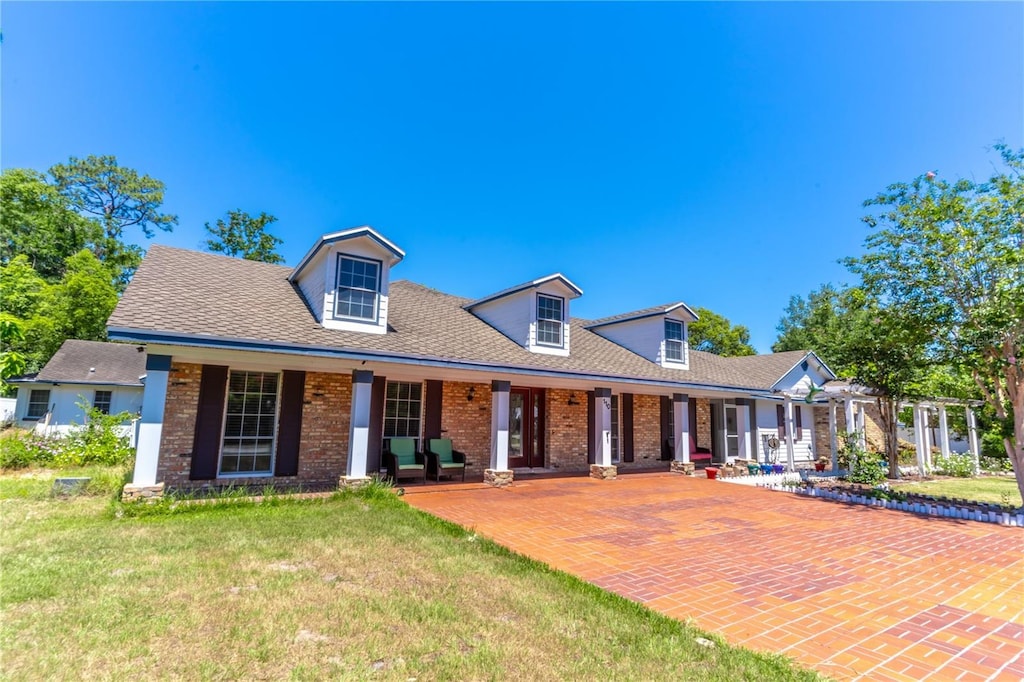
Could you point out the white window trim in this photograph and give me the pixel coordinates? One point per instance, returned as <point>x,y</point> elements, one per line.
<point>423,410</point>
<point>224,426</point>
<point>561,322</point>
<point>375,320</point>
<point>684,343</point>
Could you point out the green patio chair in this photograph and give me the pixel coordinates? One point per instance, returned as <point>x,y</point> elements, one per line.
<point>443,461</point>
<point>403,461</point>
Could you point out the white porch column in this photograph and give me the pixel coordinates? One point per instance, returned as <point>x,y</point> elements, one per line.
<point>603,427</point>
<point>151,423</point>
<point>499,424</point>
<point>833,435</point>
<point>972,438</point>
<point>359,429</point>
<point>943,431</point>
<point>743,428</point>
<point>681,422</point>
<point>790,434</point>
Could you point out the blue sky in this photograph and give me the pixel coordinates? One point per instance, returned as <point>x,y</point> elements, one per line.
<point>713,153</point>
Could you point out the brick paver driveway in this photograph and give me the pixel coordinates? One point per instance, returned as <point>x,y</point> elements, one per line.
<point>851,591</point>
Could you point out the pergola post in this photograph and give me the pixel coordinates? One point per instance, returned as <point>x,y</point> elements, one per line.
<point>862,437</point>
<point>848,408</point>
<point>972,438</point>
<point>926,436</point>
<point>919,439</point>
<point>832,434</point>
<point>943,431</point>
<point>790,434</point>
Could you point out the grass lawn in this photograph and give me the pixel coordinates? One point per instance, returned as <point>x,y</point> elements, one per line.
<point>998,489</point>
<point>347,587</point>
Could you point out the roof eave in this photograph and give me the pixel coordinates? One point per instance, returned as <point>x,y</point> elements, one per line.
<point>351,233</point>
<point>559,277</point>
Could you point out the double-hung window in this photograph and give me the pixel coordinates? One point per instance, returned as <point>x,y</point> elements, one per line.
<point>674,350</point>
<point>358,288</point>
<point>101,401</point>
<point>403,405</point>
<point>249,423</point>
<point>38,403</point>
<point>549,320</point>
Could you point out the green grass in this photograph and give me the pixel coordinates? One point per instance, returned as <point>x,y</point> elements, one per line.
<point>997,489</point>
<point>347,587</point>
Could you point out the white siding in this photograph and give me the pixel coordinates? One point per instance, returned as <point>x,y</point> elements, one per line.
<point>767,425</point>
<point>313,288</point>
<point>515,316</point>
<point>646,337</point>
<point>798,379</point>
<point>360,247</point>
<point>65,399</point>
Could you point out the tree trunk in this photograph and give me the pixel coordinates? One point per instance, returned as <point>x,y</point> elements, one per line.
<point>1015,449</point>
<point>888,413</point>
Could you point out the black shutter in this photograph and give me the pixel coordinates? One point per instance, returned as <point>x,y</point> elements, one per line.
<point>591,455</point>
<point>692,420</point>
<point>432,411</point>
<point>376,431</point>
<point>666,428</point>
<point>289,425</point>
<point>799,413</point>
<point>209,423</point>
<point>626,407</point>
<point>780,416</point>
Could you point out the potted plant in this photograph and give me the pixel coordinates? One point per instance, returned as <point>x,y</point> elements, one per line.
<point>820,463</point>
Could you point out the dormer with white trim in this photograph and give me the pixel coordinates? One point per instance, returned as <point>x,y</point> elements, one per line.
<point>660,334</point>
<point>344,279</point>
<point>534,314</point>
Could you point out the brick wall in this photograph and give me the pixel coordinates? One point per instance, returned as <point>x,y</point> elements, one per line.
<point>323,445</point>
<point>647,427</point>
<point>875,436</point>
<point>703,432</point>
<point>326,418</point>
<point>566,436</point>
<point>468,424</point>
<point>180,408</point>
<point>822,439</point>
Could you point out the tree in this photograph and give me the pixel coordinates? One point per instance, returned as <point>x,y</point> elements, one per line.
<point>864,341</point>
<point>715,334</point>
<point>12,363</point>
<point>38,223</point>
<point>951,256</point>
<point>244,236</point>
<point>117,197</point>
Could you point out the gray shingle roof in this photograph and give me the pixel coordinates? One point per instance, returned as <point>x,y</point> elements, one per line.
<point>188,292</point>
<point>636,314</point>
<point>95,362</point>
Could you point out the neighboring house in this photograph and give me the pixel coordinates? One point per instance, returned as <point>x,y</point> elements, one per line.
<point>107,376</point>
<point>302,375</point>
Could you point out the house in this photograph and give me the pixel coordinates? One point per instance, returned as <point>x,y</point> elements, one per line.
<point>107,376</point>
<point>302,375</point>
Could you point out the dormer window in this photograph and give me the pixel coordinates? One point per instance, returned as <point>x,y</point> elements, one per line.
<point>674,341</point>
<point>549,320</point>
<point>358,288</point>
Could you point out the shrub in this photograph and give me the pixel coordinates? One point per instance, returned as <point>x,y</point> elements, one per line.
<point>869,468</point>
<point>99,441</point>
<point>958,465</point>
<point>996,464</point>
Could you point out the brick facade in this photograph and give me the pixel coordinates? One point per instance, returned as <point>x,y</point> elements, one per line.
<point>323,448</point>
<point>646,428</point>
<point>180,408</point>
<point>468,424</point>
<point>703,426</point>
<point>566,430</point>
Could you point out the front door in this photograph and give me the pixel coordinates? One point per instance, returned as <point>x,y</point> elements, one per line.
<point>732,432</point>
<point>526,427</point>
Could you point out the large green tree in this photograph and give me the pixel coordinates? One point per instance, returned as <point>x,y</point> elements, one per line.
<point>118,197</point>
<point>950,256</point>
<point>716,334</point>
<point>244,236</point>
<point>865,341</point>
<point>39,224</point>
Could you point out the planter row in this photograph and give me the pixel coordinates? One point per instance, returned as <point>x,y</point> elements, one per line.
<point>1003,518</point>
<point>763,480</point>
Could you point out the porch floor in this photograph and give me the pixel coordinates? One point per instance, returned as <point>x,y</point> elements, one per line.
<point>855,592</point>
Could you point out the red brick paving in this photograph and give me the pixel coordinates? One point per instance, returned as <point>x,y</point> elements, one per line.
<point>854,592</point>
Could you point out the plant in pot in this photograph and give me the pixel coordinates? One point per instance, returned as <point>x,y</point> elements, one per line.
<point>821,464</point>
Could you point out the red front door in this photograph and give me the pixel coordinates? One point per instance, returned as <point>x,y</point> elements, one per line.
<point>526,427</point>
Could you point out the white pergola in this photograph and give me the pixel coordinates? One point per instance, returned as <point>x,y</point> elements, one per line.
<point>852,399</point>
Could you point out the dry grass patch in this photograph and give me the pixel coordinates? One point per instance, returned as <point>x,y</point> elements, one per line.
<point>348,587</point>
